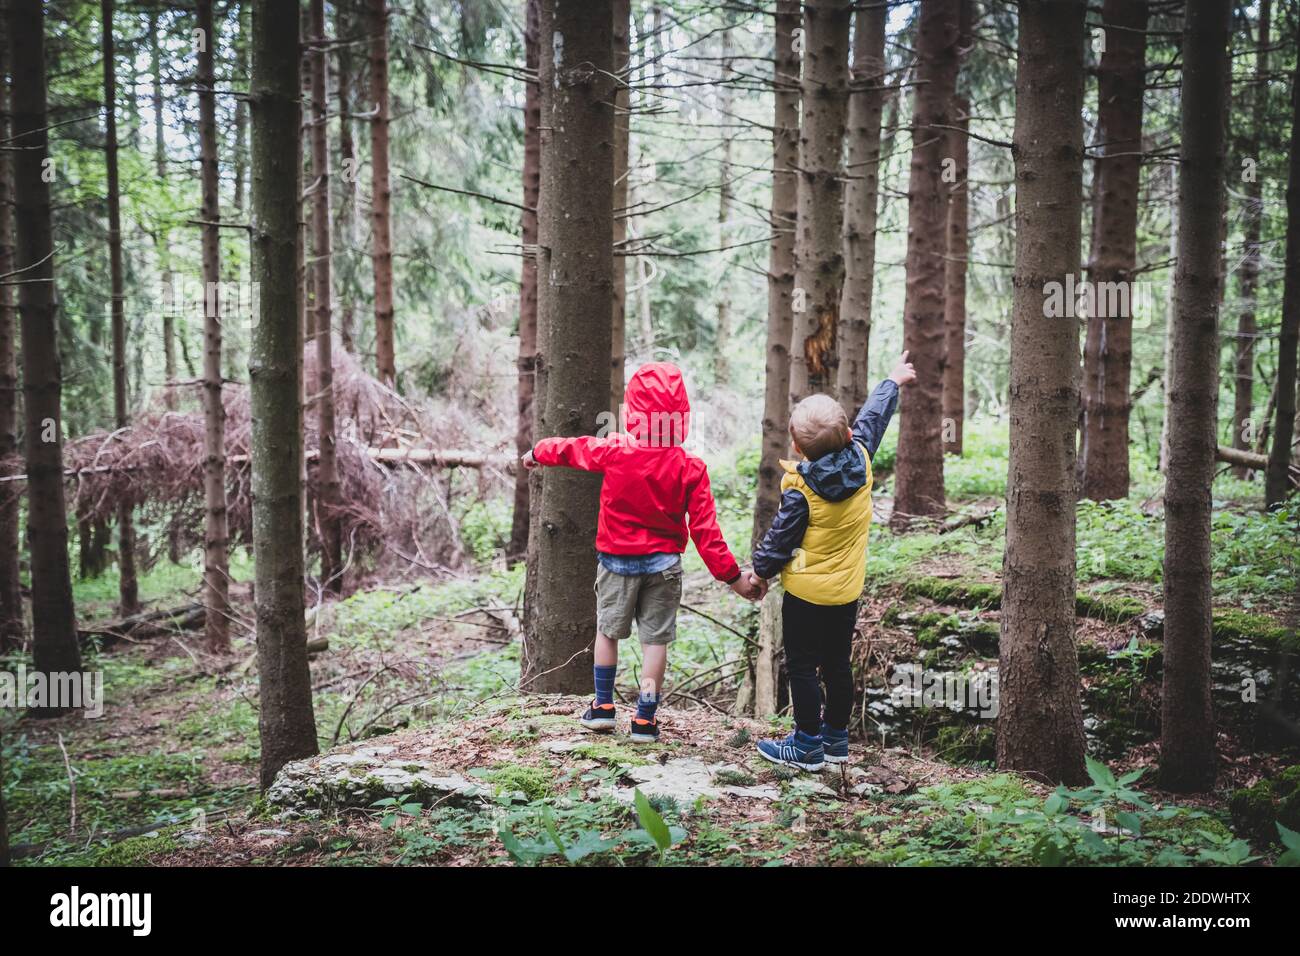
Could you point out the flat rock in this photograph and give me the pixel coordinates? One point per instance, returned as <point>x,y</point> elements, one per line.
<point>685,780</point>
<point>356,779</point>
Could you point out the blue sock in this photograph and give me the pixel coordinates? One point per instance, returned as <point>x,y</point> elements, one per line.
<point>605,683</point>
<point>646,705</point>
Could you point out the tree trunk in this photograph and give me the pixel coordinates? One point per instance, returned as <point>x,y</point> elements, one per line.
<point>866,104</point>
<point>328,494</point>
<point>286,722</point>
<point>241,109</point>
<point>11,598</point>
<point>954,284</point>
<point>919,489</point>
<point>128,586</point>
<point>819,253</point>
<point>54,626</point>
<point>622,122</point>
<point>216,576</point>
<point>1040,722</point>
<point>155,68</point>
<point>1103,457</point>
<point>576,268</point>
<point>1187,757</point>
<point>723,344</point>
<point>380,194</point>
<point>1243,424</point>
<point>527,361</point>
<point>780,269</point>
<point>346,220</point>
<point>1275,478</point>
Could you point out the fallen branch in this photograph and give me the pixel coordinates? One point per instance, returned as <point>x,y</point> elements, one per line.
<point>1249,459</point>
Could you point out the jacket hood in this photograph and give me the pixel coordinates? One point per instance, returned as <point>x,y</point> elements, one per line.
<point>656,409</point>
<point>838,475</point>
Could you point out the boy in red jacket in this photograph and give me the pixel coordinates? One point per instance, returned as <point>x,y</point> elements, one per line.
<point>654,494</point>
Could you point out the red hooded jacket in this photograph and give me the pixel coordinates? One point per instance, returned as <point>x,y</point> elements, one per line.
<point>652,485</point>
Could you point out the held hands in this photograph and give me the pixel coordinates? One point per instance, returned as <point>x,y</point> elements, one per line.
<point>749,586</point>
<point>528,461</point>
<point>903,373</point>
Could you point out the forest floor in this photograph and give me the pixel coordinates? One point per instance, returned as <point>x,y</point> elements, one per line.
<point>430,755</point>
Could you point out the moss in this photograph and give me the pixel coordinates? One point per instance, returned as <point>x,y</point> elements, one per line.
<point>1232,624</point>
<point>1090,653</point>
<point>740,738</point>
<point>612,755</point>
<point>962,743</point>
<point>964,593</point>
<point>1257,810</point>
<point>533,782</point>
<point>1184,826</point>
<point>1113,609</point>
<point>733,778</point>
<point>137,850</point>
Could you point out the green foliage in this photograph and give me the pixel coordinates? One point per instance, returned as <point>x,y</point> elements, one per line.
<point>531,783</point>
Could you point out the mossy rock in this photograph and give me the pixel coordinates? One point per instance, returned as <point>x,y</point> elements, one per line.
<point>1232,624</point>
<point>1257,810</point>
<point>610,754</point>
<point>535,783</point>
<point>964,593</point>
<point>1184,826</point>
<point>734,778</point>
<point>1115,610</point>
<point>138,850</point>
<point>962,743</point>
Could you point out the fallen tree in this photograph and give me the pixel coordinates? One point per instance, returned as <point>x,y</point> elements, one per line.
<point>1254,461</point>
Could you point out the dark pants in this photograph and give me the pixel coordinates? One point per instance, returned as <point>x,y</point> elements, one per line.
<point>818,637</point>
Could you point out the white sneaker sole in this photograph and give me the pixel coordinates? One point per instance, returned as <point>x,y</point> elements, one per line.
<point>598,726</point>
<point>830,759</point>
<point>811,767</point>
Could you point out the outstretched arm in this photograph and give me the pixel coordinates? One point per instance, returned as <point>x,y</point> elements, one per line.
<point>585,452</point>
<point>873,419</point>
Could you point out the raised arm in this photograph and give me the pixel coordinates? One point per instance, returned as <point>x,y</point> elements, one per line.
<point>873,418</point>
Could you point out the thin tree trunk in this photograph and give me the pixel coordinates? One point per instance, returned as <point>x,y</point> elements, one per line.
<point>722,293</point>
<point>866,105</point>
<point>380,194</point>
<point>954,284</point>
<point>919,490</point>
<point>780,268</point>
<point>1187,754</point>
<point>328,494</point>
<point>1040,721</point>
<point>1103,455</point>
<point>527,361</point>
<point>54,625</point>
<point>1275,478</point>
<point>11,598</point>
<point>576,268</point>
<point>1243,422</point>
<point>128,585</point>
<point>161,241</point>
<point>155,68</point>
<point>241,110</point>
<point>622,122</point>
<point>819,253</point>
<point>216,577</point>
<point>346,220</point>
<point>286,722</point>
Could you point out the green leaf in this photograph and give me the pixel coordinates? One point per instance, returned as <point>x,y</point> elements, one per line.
<point>1129,821</point>
<point>652,822</point>
<point>548,821</point>
<point>1290,838</point>
<point>587,843</point>
<point>1100,773</point>
<point>1055,804</point>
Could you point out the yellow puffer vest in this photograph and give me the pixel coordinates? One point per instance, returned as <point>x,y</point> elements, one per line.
<point>830,566</point>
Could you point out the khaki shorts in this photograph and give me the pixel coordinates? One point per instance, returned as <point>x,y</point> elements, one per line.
<point>649,599</point>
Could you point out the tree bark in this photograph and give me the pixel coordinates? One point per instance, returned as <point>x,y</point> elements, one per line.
<point>11,598</point>
<point>780,268</point>
<point>1276,481</point>
<point>346,220</point>
<point>527,361</point>
<point>866,105</point>
<point>286,723</point>
<point>1187,756</point>
<point>329,495</point>
<point>819,253</point>
<point>1248,272</point>
<point>1108,350</point>
<point>919,487</point>
<point>216,535</point>
<point>155,68</point>
<point>622,14</point>
<point>723,344</point>
<point>54,627</point>
<point>381,194</point>
<point>128,585</point>
<point>576,268</point>
<point>1040,722</point>
<point>954,284</point>
<point>241,110</point>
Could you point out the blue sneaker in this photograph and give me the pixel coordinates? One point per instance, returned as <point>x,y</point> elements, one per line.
<point>798,750</point>
<point>835,744</point>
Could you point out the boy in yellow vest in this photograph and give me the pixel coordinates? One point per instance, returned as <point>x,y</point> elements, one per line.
<point>818,544</point>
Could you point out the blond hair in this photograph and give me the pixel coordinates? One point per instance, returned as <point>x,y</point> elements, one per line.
<point>819,426</point>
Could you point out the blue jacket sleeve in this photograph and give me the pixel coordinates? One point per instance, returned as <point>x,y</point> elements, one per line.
<point>783,537</point>
<point>869,427</point>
